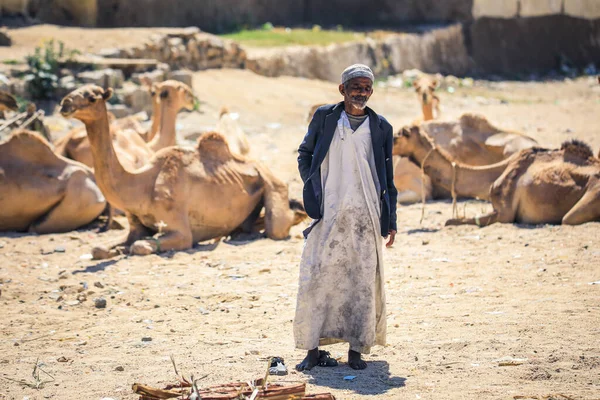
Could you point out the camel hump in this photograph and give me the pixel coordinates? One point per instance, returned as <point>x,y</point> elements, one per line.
<point>28,138</point>
<point>577,148</point>
<point>476,122</point>
<point>214,146</point>
<point>224,110</point>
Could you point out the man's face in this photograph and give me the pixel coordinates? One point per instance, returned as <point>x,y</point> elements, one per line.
<point>357,92</point>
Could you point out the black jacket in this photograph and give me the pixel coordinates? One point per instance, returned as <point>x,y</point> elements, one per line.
<point>315,146</point>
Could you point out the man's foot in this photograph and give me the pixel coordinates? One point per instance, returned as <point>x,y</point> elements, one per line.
<point>310,361</point>
<point>355,361</point>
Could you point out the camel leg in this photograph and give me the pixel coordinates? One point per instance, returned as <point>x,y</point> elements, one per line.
<point>82,203</point>
<point>176,239</point>
<point>587,209</point>
<point>112,249</point>
<point>480,221</point>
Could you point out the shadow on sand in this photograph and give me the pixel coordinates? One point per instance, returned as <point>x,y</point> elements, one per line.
<point>374,380</point>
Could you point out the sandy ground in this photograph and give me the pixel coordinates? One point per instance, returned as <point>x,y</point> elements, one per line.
<point>459,299</point>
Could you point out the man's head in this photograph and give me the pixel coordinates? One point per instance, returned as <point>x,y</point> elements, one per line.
<point>357,85</point>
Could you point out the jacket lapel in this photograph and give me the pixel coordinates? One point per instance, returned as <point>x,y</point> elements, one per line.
<point>328,131</point>
<point>376,137</point>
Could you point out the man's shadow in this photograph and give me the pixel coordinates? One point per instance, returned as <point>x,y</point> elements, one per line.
<point>374,380</point>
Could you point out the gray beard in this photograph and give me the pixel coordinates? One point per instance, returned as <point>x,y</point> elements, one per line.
<point>359,105</point>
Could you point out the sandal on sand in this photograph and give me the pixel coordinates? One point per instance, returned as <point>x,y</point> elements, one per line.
<point>277,367</point>
<point>325,359</point>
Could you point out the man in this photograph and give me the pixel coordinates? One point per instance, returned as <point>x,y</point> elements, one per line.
<point>345,162</point>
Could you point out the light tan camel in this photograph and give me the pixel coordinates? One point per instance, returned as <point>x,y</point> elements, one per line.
<point>42,192</point>
<point>468,181</point>
<point>185,195</point>
<point>235,135</point>
<point>471,140</point>
<point>173,96</point>
<point>425,87</point>
<point>546,187</point>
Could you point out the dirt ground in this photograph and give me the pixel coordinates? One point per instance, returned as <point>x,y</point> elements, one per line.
<point>459,299</point>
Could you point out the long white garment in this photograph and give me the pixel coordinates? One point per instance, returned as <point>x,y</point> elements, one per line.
<point>340,294</point>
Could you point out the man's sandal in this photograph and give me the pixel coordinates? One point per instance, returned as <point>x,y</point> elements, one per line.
<point>325,359</point>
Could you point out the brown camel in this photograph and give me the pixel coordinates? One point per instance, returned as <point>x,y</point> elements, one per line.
<point>546,187</point>
<point>425,87</point>
<point>42,192</point>
<point>472,140</point>
<point>183,195</point>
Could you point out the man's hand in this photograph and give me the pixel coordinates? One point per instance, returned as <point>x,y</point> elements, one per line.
<point>392,236</point>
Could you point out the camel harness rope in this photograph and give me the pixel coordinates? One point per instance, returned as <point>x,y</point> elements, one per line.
<point>453,191</point>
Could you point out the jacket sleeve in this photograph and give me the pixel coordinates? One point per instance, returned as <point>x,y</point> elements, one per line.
<point>307,147</point>
<point>389,167</point>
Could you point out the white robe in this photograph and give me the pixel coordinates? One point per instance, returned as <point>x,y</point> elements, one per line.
<point>340,295</point>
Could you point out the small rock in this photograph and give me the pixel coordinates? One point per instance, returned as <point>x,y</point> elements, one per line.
<point>182,76</point>
<point>203,311</point>
<point>120,368</point>
<point>100,302</point>
<point>146,339</point>
<point>72,303</point>
<point>99,285</point>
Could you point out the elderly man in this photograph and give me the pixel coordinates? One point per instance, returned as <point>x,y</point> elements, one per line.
<point>345,163</point>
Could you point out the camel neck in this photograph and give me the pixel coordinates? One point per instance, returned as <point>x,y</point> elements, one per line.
<point>427,111</point>
<point>110,174</point>
<point>167,134</point>
<point>156,119</point>
<point>468,181</point>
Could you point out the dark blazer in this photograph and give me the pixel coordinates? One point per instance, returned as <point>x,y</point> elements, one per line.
<point>315,146</point>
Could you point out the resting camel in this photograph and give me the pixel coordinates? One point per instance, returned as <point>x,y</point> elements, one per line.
<point>469,181</point>
<point>545,187</point>
<point>184,194</point>
<point>471,140</point>
<point>236,137</point>
<point>131,149</point>
<point>42,192</point>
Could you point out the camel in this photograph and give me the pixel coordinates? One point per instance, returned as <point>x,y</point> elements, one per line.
<point>184,194</point>
<point>236,137</point>
<point>443,170</point>
<point>42,192</point>
<point>471,140</point>
<point>425,87</point>
<point>542,186</point>
<point>173,96</point>
<point>169,98</point>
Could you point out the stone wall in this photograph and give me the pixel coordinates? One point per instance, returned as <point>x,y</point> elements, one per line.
<point>442,50</point>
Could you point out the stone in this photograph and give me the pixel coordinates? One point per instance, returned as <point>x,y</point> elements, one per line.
<point>146,339</point>
<point>120,110</point>
<point>120,368</point>
<point>114,78</point>
<point>93,77</point>
<point>110,53</point>
<point>155,76</point>
<point>100,302</point>
<point>182,76</point>
<point>138,98</point>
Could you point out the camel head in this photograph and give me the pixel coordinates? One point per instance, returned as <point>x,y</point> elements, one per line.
<point>406,141</point>
<point>425,86</point>
<point>175,94</point>
<point>85,103</point>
